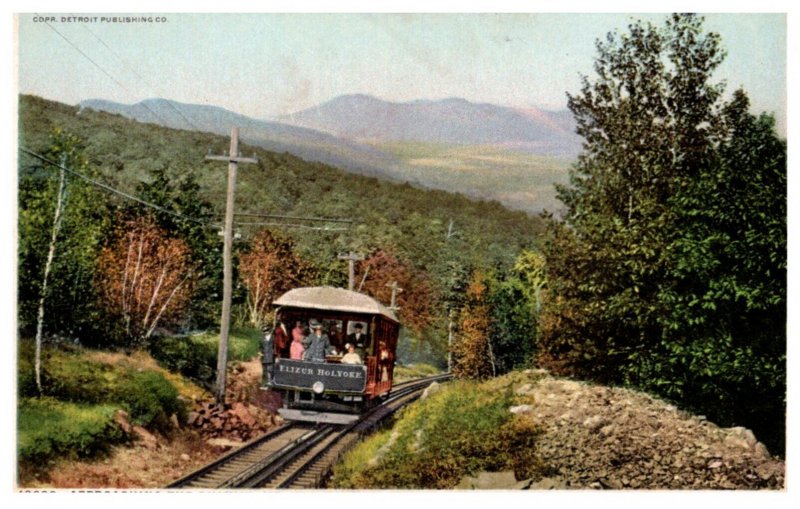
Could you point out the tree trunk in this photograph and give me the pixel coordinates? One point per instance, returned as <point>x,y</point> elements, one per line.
<point>62,190</point>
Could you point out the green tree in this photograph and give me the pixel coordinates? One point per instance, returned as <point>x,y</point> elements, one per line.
<point>186,214</point>
<point>68,303</point>
<point>669,269</point>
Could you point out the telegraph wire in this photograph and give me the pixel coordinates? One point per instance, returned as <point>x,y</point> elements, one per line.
<point>292,225</point>
<point>131,69</point>
<point>102,70</point>
<point>303,218</point>
<point>207,224</point>
<point>117,191</point>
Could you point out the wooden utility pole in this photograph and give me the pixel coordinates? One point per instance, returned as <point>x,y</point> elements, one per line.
<point>395,290</point>
<point>227,286</point>
<point>351,258</point>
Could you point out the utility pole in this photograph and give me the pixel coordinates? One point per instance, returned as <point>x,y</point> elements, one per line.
<point>395,290</point>
<point>227,286</point>
<point>351,258</point>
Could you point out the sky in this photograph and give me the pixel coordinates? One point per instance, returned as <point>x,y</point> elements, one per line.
<point>266,65</point>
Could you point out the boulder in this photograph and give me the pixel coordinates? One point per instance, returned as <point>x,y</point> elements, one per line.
<point>489,481</point>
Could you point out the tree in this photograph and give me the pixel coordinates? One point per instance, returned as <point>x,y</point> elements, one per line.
<point>669,269</point>
<point>60,225</point>
<point>145,278</point>
<point>472,349</point>
<point>183,212</point>
<point>514,298</point>
<point>269,269</point>
<point>414,301</point>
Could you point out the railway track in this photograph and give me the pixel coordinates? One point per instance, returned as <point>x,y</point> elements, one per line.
<point>297,455</point>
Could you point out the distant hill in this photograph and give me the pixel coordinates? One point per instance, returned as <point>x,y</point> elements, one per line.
<point>411,221</point>
<point>449,121</point>
<point>279,137</point>
<point>486,151</point>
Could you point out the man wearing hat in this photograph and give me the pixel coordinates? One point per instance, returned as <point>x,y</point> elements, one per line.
<point>359,340</point>
<point>317,344</point>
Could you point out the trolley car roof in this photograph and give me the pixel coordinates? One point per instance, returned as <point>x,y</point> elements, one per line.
<point>329,298</point>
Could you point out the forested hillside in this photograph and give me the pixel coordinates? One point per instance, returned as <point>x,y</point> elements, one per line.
<point>430,241</point>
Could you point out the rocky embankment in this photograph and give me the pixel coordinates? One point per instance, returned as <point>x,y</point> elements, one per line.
<point>601,437</point>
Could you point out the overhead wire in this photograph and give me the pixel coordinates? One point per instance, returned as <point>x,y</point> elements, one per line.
<point>156,115</point>
<point>116,191</point>
<point>131,69</point>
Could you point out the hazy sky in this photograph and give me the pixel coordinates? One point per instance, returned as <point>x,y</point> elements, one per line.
<point>265,65</point>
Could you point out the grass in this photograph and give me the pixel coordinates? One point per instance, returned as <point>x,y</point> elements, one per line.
<point>411,371</point>
<point>83,389</point>
<point>244,343</point>
<point>517,179</point>
<point>461,430</point>
<point>48,428</point>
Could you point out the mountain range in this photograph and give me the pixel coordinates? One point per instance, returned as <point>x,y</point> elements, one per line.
<point>483,150</point>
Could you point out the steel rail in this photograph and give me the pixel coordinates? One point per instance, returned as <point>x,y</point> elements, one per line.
<point>276,463</point>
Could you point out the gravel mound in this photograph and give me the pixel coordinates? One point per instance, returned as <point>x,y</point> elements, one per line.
<point>601,437</point>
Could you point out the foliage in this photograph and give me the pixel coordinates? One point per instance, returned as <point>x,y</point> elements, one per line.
<point>69,306</point>
<point>183,354</point>
<point>513,322</point>
<point>269,269</point>
<point>414,298</point>
<point>183,212</point>
<point>145,278</point>
<point>244,343</point>
<point>72,376</point>
<point>48,429</point>
<point>669,269</point>
<point>412,371</point>
<point>473,356</point>
<point>460,430</point>
<point>166,167</point>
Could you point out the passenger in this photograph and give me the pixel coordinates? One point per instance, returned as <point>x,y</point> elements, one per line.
<point>317,344</point>
<point>281,341</point>
<point>385,360</point>
<point>297,348</point>
<point>299,332</point>
<point>351,357</point>
<point>359,340</point>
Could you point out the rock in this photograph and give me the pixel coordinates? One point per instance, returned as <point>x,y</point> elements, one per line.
<point>192,418</point>
<point>521,409</point>
<point>121,418</point>
<point>223,443</point>
<point>525,389</point>
<point>489,481</point>
<point>761,451</point>
<point>185,457</point>
<point>607,430</point>
<point>173,419</point>
<point>715,464</point>
<point>148,440</point>
<point>548,483</point>
<point>595,422</point>
<point>431,389</point>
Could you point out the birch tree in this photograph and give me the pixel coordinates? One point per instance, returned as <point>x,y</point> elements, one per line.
<point>145,278</point>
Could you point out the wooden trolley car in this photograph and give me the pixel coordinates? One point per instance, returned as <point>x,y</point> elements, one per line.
<point>329,390</point>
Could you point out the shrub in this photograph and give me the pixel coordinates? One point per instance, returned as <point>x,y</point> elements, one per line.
<point>194,359</point>
<point>149,398</point>
<point>461,430</point>
<point>48,428</point>
<point>244,343</point>
<point>72,377</point>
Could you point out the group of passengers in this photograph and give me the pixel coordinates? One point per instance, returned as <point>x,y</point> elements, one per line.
<point>310,343</point>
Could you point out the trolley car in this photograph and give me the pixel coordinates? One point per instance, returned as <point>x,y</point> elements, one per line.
<point>330,390</point>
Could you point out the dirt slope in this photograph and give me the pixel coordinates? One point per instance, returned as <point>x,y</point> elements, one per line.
<point>601,437</point>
